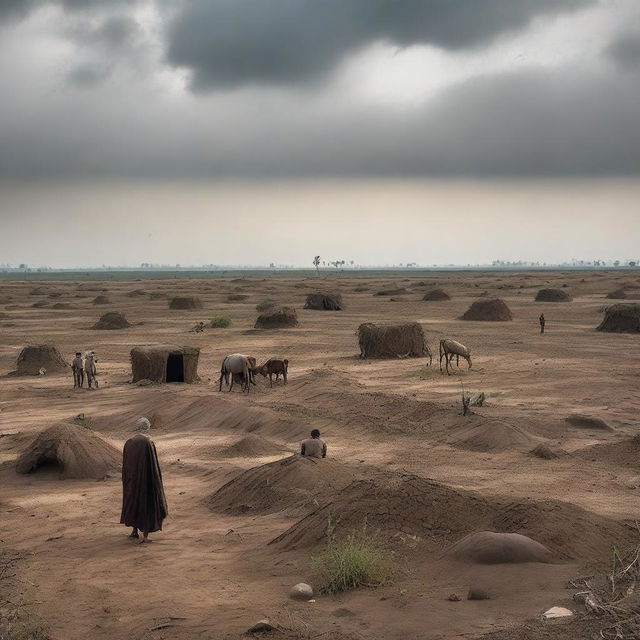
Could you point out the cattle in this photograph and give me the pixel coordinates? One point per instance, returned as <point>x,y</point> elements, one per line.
<point>274,366</point>
<point>240,367</point>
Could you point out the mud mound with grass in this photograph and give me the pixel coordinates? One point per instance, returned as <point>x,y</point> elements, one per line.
<point>237,297</point>
<point>101,300</point>
<point>185,303</point>
<point>392,292</point>
<point>265,305</point>
<point>63,305</point>
<point>436,295</point>
<point>392,341</point>
<point>112,320</point>
<point>45,356</point>
<point>77,451</point>
<point>587,422</point>
<point>280,318</point>
<point>553,295</point>
<point>495,310</point>
<point>294,482</point>
<point>488,547</point>
<point>324,302</point>
<point>617,294</point>
<point>251,446</point>
<point>621,318</point>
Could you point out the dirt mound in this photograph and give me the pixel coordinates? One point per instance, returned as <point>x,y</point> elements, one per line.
<point>625,453</point>
<point>324,302</point>
<point>112,320</point>
<point>587,422</point>
<point>77,451</point>
<point>185,303</point>
<point>40,304</point>
<point>251,446</point>
<point>488,547</point>
<point>494,310</point>
<point>553,295</point>
<point>436,294</point>
<point>545,452</point>
<point>32,359</point>
<point>137,292</point>
<point>265,305</point>
<point>392,341</point>
<point>293,482</point>
<point>281,317</point>
<point>487,435</point>
<point>236,297</point>
<point>621,318</point>
<point>63,305</point>
<point>618,294</point>
<point>392,292</point>
<point>101,300</point>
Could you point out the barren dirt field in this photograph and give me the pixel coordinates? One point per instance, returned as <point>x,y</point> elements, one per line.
<point>402,457</point>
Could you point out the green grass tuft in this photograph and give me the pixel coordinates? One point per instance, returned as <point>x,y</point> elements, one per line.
<point>221,322</point>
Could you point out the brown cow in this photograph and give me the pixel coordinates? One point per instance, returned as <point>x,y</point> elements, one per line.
<point>274,366</point>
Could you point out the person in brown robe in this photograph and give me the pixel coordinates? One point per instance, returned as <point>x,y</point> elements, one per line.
<point>144,505</point>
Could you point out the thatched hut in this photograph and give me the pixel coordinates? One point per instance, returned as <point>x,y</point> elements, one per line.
<point>494,310</point>
<point>553,295</point>
<point>112,320</point>
<point>392,341</point>
<point>324,302</point>
<point>185,303</point>
<point>75,450</point>
<point>621,318</point>
<point>436,295</point>
<point>279,318</point>
<point>101,300</point>
<point>165,364</point>
<point>45,356</point>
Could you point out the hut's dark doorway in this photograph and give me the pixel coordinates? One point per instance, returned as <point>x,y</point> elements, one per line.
<point>175,368</point>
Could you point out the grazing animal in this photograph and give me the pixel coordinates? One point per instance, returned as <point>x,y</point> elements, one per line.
<point>274,366</point>
<point>450,348</point>
<point>240,368</point>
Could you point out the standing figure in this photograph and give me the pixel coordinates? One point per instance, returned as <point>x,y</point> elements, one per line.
<point>90,361</point>
<point>313,447</point>
<point>542,322</point>
<point>77,367</point>
<point>144,505</point>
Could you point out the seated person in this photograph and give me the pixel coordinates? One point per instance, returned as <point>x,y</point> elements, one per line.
<point>314,447</point>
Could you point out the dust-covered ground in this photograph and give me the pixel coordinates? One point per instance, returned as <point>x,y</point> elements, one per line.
<point>402,457</point>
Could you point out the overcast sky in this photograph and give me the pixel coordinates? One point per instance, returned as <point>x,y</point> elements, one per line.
<point>258,131</point>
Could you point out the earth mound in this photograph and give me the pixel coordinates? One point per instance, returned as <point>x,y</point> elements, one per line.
<point>488,547</point>
<point>137,292</point>
<point>77,451</point>
<point>279,318</point>
<point>251,446</point>
<point>621,318</point>
<point>587,422</point>
<point>618,294</point>
<point>553,295</point>
<point>486,435</point>
<point>265,305</point>
<point>112,320</point>
<point>293,482</point>
<point>324,302</point>
<point>392,341</point>
<point>495,310</point>
<point>32,359</point>
<point>392,292</point>
<point>237,297</point>
<point>436,294</point>
<point>185,303</point>
<point>40,304</point>
<point>545,452</point>
<point>101,300</point>
<point>63,305</point>
<point>625,453</point>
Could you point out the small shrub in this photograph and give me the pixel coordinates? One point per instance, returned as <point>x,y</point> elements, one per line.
<point>83,421</point>
<point>221,322</point>
<point>359,560</point>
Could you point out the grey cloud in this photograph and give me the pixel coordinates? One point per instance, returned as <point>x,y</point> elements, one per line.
<point>237,42</point>
<point>88,75</point>
<point>625,48</point>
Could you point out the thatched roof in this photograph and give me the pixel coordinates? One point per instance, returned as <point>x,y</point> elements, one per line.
<point>185,303</point>
<point>488,310</point>
<point>553,295</point>
<point>324,301</point>
<point>112,320</point>
<point>392,341</point>
<point>436,294</point>
<point>621,318</point>
<point>150,363</point>
<point>281,317</point>
<point>32,359</point>
<point>77,451</point>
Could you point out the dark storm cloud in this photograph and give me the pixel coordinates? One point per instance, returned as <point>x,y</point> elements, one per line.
<point>114,32</point>
<point>625,48</point>
<point>18,9</point>
<point>236,42</point>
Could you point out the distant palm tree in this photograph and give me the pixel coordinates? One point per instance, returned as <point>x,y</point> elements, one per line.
<point>316,264</point>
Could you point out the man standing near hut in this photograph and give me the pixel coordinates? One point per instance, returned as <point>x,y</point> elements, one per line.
<point>77,366</point>
<point>314,447</point>
<point>542,322</point>
<point>144,505</point>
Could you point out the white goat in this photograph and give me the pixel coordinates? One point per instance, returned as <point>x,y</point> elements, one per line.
<point>450,348</point>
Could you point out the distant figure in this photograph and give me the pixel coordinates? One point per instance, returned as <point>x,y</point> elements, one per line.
<point>90,372</point>
<point>542,322</point>
<point>77,366</point>
<point>199,328</point>
<point>314,447</point>
<point>144,505</point>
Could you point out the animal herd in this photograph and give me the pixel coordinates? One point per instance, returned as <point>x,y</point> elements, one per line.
<point>242,369</point>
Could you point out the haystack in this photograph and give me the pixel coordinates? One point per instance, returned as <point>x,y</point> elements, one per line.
<point>553,295</point>
<point>32,359</point>
<point>165,364</point>
<point>185,303</point>
<point>487,547</point>
<point>324,302</point>
<point>436,294</point>
<point>101,300</point>
<point>77,451</point>
<point>277,318</point>
<point>392,341</point>
<point>621,318</point>
<point>494,310</point>
<point>265,305</point>
<point>618,294</point>
<point>112,320</point>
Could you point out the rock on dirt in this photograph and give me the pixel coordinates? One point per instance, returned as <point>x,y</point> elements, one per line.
<point>262,626</point>
<point>301,591</point>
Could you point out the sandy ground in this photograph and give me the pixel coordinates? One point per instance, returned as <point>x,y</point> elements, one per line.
<point>212,574</point>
